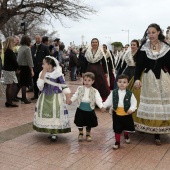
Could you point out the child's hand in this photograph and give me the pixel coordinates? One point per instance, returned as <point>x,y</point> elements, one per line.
<point>129,112</point>
<point>45,68</point>
<point>68,102</point>
<point>103,109</point>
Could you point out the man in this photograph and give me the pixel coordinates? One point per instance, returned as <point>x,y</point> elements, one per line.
<point>45,40</point>
<point>39,52</point>
<point>73,64</point>
<point>57,42</point>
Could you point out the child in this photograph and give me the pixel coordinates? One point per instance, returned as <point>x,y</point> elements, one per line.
<point>124,104</point>
<point>87,97</point>
<point>51,115</point>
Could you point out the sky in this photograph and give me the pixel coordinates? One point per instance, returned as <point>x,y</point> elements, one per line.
<point>113,16</point>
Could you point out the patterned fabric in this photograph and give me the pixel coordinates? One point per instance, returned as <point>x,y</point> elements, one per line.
<point>92,92</point>
<point>164,49</point>
<point>155,97</point>
<point>146,125</point>
<point>126,99</point>
<point>129,59</point>
<point>9,77</point>
<point>93,58</point>
<point>51,114</point>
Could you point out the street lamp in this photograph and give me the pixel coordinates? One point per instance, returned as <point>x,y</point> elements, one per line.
<point>128,34</point>
<point>24,25</point>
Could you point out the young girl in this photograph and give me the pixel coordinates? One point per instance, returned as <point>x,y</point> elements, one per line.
<point>124,104</point>
<point>51,115</point>
<point>87,97</point>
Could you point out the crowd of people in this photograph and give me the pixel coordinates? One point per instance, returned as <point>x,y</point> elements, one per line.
<point>134,83</point>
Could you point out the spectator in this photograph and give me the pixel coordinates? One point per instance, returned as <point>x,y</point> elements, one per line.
<point>39,52</point>
<point>73,64</point>
<point>26,66</point>
<point>10,66</point>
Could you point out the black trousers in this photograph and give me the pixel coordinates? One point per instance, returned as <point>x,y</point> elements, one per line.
<point>35,78</point>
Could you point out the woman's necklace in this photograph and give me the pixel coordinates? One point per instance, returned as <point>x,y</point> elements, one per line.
<point>154,46</point>
<point>94,52</point>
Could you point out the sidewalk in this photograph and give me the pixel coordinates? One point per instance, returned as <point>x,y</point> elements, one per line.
<point>22,148</point>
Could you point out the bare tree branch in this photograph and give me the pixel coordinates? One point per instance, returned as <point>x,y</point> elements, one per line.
<point>59,9</point>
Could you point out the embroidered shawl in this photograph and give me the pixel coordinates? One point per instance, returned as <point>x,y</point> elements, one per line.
<point>92,92</point>
<point>154,56</point>
<point>93,58</point>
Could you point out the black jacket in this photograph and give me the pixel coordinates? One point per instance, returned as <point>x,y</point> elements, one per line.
<point>10,61</point>
<point>38,54</point>
<point>73,60</point>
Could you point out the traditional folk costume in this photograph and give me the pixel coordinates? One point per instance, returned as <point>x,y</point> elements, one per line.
<point>121,101</point>
<point>110,65</point>
<point>153,114</point>
<point>120,66</point>
<point>51,114</point>
<point>86,98</point>
<point>130,64</point>
<point>93,65</point>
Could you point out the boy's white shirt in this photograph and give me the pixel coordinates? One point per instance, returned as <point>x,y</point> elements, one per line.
<point>121,93</point>
<point>98,99</point>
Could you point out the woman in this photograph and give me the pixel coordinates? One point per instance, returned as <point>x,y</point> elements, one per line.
<point>26,66</point>
<point>151,77</point>
<point>10,66</point>
<point>120,64</point>
<point>129,59</point>
<point>96,63</point>
<point>110,65</point>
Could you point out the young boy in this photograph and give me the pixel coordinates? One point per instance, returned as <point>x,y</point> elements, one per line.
<point>87,97</point>
<point>124,104</point>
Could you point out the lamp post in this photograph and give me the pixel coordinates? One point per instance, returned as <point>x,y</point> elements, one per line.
<point>128,34</point>
<point>23,26</point>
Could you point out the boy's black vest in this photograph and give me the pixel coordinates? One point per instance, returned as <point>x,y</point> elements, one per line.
<point>126,99</point>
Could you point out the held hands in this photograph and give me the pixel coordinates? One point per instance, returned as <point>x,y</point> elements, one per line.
<point>137,84</point>
<point>129,112</point>
<point>103,109</point>
<point>68,101</point>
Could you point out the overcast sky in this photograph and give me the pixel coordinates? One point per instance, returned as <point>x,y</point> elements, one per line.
<point>114,16</point>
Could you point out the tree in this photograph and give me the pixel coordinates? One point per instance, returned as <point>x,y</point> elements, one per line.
<point>117,45</point>
<point>14,26</point>
<point>73,9</point>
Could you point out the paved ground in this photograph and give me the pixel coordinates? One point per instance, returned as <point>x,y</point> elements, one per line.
<point>21,148</point>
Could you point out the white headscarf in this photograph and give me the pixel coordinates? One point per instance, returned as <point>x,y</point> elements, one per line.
<point>57,67</point>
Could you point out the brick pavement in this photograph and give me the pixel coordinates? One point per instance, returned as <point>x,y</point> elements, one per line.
<point>21,148</point>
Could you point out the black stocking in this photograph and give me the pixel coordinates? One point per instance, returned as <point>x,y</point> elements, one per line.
<point>9,93</point>
<point>24,92</point>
